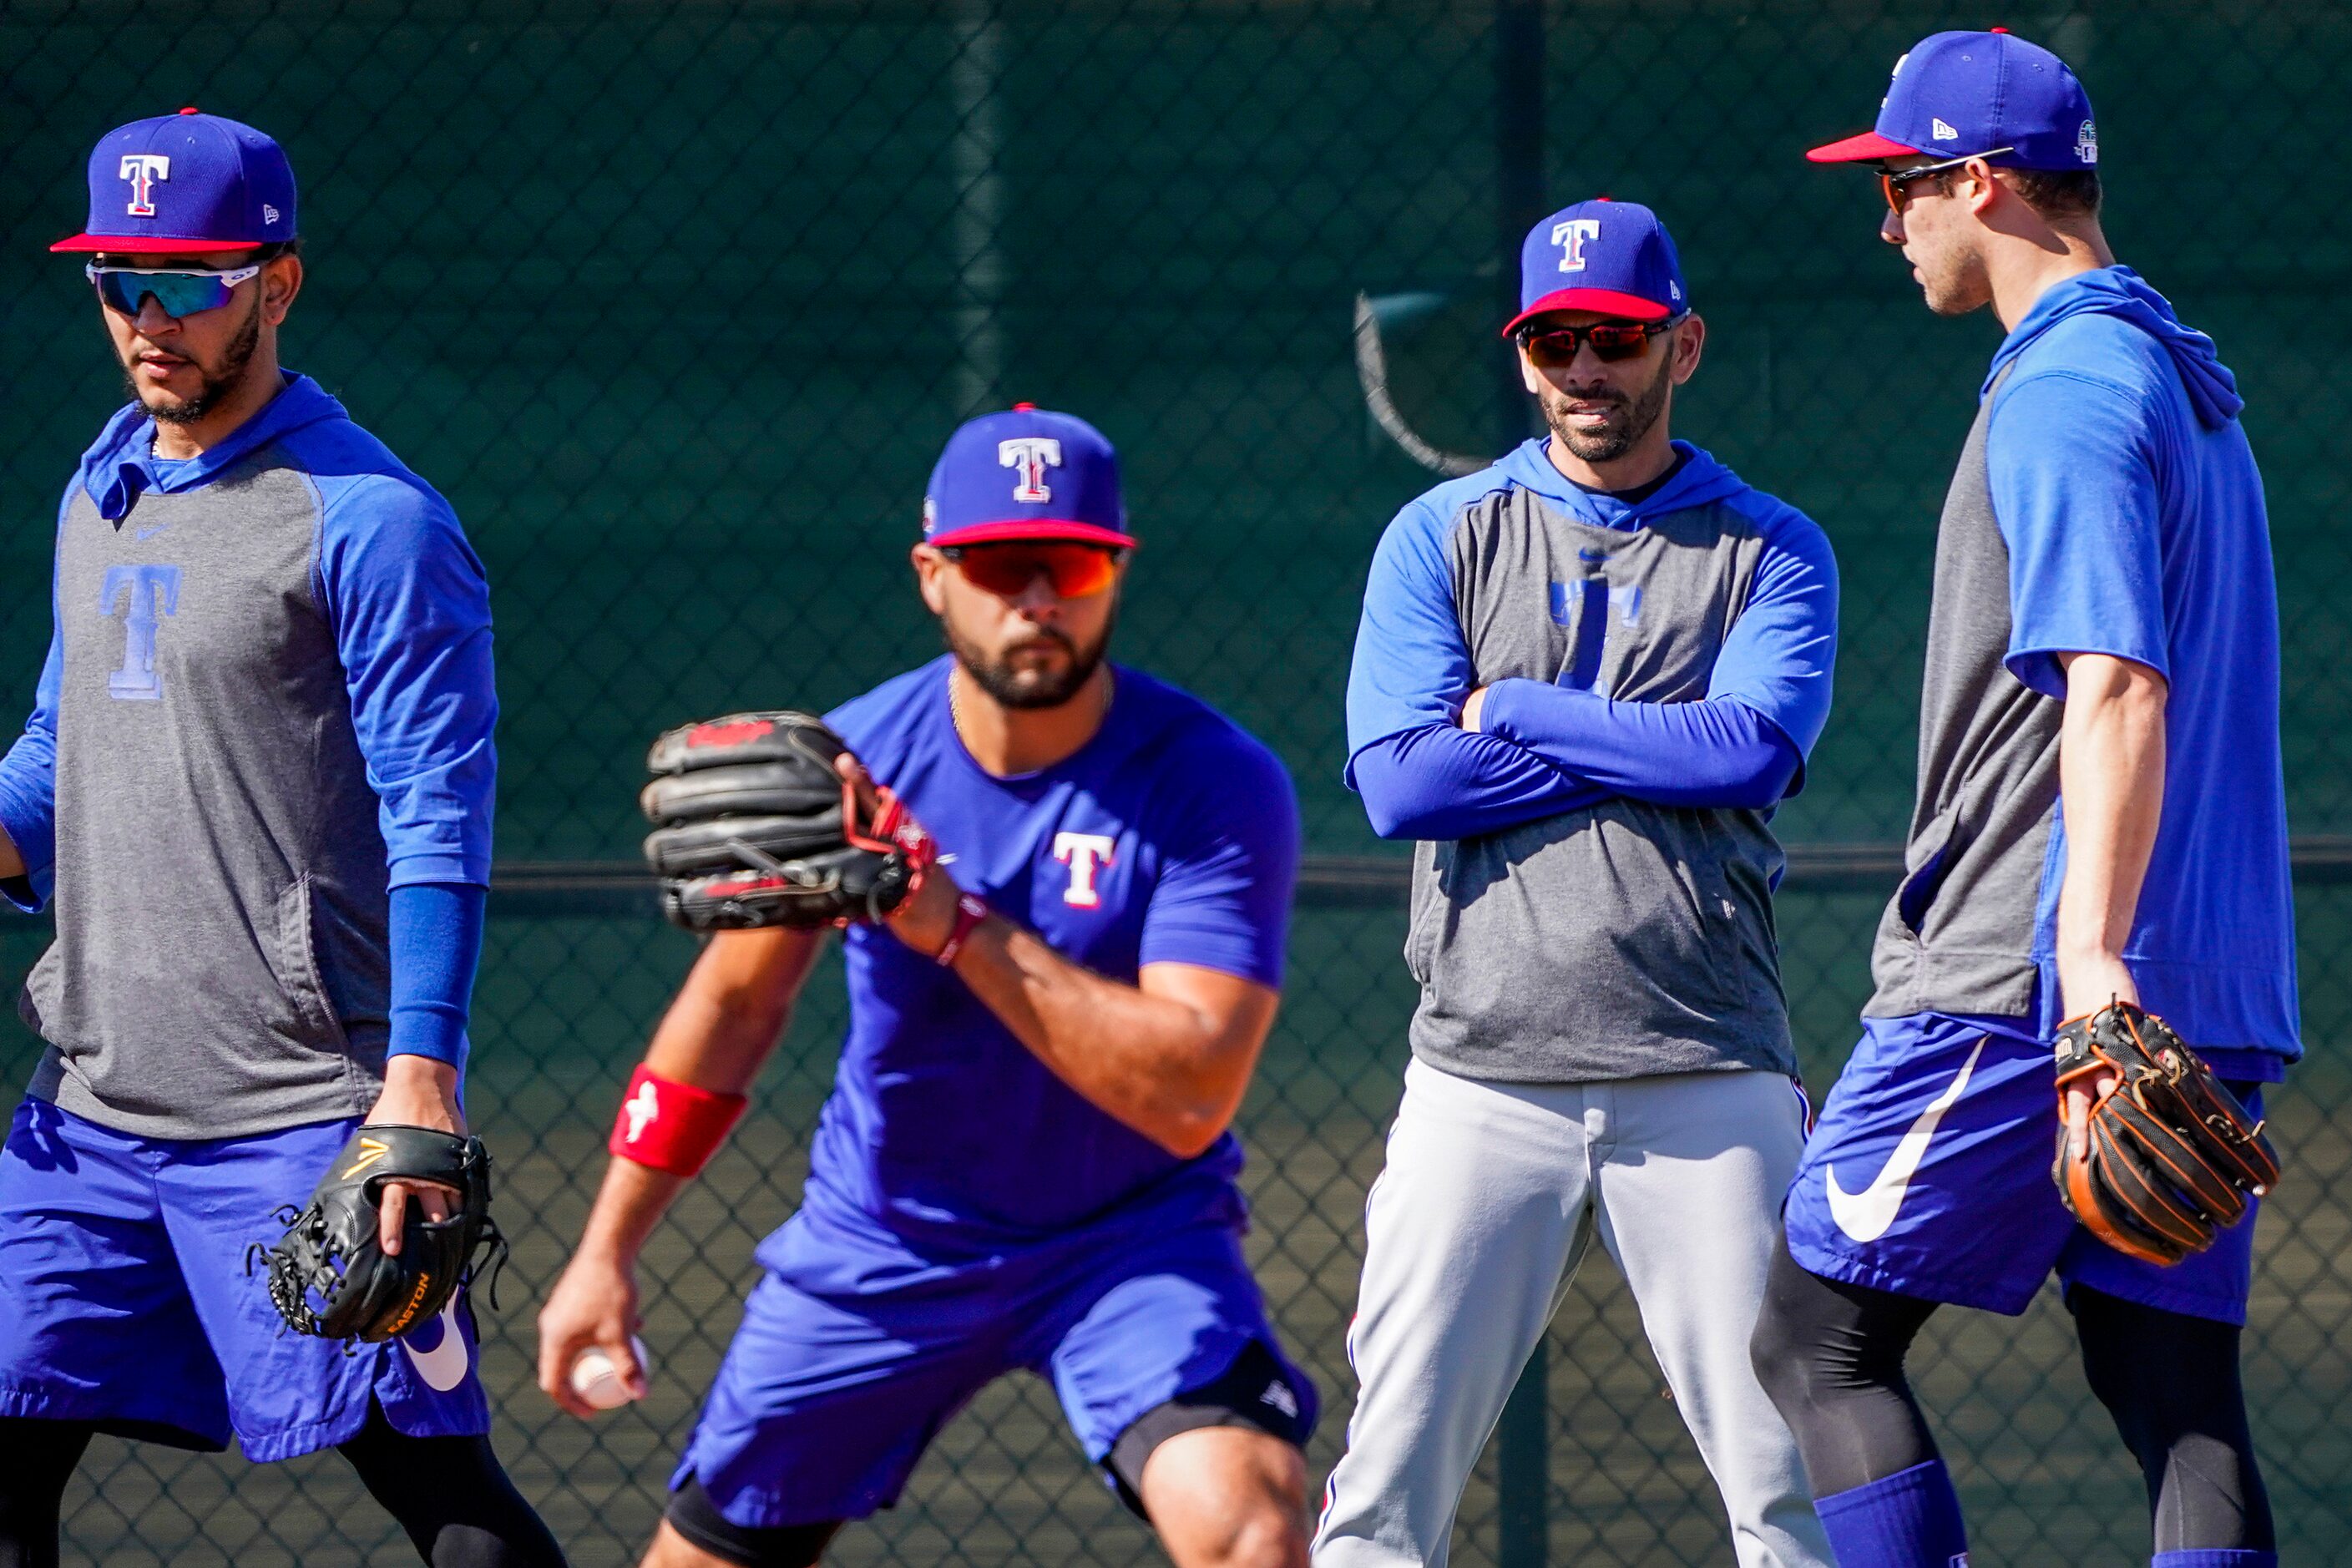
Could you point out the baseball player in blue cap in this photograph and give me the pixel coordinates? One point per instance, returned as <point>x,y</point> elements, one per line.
<point>1584,678</point>
<point>256,791</point>
<point>1026,1160</point>
<point>2101,820</point>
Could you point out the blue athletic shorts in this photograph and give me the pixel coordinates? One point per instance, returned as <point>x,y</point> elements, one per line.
<point>125,1299</point>
<point>1929,1174</point>
<point>853,1354</point>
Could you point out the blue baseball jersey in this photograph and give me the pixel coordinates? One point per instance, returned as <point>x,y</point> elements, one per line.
<point>1170,838</point>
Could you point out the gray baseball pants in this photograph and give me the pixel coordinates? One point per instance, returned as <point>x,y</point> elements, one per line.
<point>1491,1195</point>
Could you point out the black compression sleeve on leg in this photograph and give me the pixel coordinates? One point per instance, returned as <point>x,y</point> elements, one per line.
<point>2171,1383</point>
<point>452,1497</point>
<point>1830,1356</point>
<point>696,1518</point>
<point>37,1460</point>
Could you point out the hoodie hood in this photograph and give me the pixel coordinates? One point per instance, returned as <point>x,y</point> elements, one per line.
<point>122,462</point>
<point>2120,291</point>
<point>1700,481</point>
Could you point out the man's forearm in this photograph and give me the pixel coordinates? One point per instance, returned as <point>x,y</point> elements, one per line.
<point>2111,785</point>
<point>725,1021</point>
<point>1171,1070</point>
<point>1440,782</point>
<point>1720,753</point>
<point>629,1205</point>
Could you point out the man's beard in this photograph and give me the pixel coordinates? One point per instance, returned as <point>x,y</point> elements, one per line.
<point>1029,689</point>
<point>1628,422</point>
<point>212,384</point>
<point>1955,292</point>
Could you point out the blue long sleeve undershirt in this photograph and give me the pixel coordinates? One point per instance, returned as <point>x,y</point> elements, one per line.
<point>436,946</point>
<point>1440,782</point>
<point>1718,753</point>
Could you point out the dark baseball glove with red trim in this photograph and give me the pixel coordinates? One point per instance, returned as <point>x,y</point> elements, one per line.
<point>754,825</point>
<point>2165,1163</point>
<point>328,1274</point>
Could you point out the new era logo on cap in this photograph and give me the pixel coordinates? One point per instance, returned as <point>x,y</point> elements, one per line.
<point>185,182</point>
<point>1026,473</point>
<point>1614,257</point>
<point>1994,93</point>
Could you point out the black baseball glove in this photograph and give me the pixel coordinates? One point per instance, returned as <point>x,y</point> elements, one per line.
<point>754,825</point>
<point>2166,1162</point>
<point>329,1275</point>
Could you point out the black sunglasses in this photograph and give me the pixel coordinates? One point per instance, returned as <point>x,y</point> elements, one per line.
<point>1896,183</point>
<point>1554,348</point>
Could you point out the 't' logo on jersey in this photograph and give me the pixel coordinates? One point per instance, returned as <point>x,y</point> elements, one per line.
<point>142,170</point>
<point>151,589</point>
<point>1030,456</point>
<point>1570,237</point>
<point>1084,854</point>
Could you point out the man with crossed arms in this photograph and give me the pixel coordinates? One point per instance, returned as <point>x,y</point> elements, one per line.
<point>1585,677</point>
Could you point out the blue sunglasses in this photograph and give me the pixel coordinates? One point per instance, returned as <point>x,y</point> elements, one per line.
<point>176,293</point>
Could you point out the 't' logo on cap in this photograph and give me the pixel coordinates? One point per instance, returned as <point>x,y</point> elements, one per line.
<point>1570,237</point>
<point>142,170</point>
<point>1030,456</point>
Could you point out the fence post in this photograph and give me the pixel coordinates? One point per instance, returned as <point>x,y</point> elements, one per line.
<point>1524,1484</point>
<point>1519,183</point>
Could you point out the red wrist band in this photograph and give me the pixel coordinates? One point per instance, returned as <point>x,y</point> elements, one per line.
<point>671,1126</point>
<point>970,913</point>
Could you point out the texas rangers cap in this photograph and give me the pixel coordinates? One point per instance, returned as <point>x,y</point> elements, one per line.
<point>1956,95</point>
<point>186,181</point>
<point>1613,257</point>
<point>1026,473</point>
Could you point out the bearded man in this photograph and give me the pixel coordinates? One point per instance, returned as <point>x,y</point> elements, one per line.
<point>1584,678</point>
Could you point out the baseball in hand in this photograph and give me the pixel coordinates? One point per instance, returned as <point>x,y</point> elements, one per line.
<point>597,1381</point>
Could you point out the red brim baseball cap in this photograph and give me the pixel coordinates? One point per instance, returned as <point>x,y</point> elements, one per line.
<point>1606,301</point>
<point>1039,531</point>
<point>185,184</point>
<point>152,245</point>
<point>1868,147</point>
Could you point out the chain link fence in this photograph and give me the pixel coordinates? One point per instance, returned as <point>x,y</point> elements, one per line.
<point>677,301</point>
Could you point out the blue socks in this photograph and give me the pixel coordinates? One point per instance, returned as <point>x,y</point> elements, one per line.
<point>2210,1558</point>
<point>1912,1520</point>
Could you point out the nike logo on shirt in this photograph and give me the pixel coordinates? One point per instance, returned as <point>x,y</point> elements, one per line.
<point>1869,1213</point>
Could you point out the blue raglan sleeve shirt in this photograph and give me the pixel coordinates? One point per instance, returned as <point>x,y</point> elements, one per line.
<point>2072,461</point>
<point>28,774</point>
<point>1768,697</point>
<point>410,605</point>
<point>1421,775</point>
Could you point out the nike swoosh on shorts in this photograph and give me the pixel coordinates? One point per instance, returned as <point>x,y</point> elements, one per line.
<point>443,1367</point>
<point>1869,1213</point>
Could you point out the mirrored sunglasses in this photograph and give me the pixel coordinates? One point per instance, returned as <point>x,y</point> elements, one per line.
<point>1006,570</point>
<point>1554,348</point>
<point>1895,184</point>
<point>176,292</point>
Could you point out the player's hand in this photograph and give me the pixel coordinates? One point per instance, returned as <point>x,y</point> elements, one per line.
<point>417,1092</point>
<point>927,917</point>
<point>1473,709</point>
<point>2085,985</point>
<point>594,1303</point>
